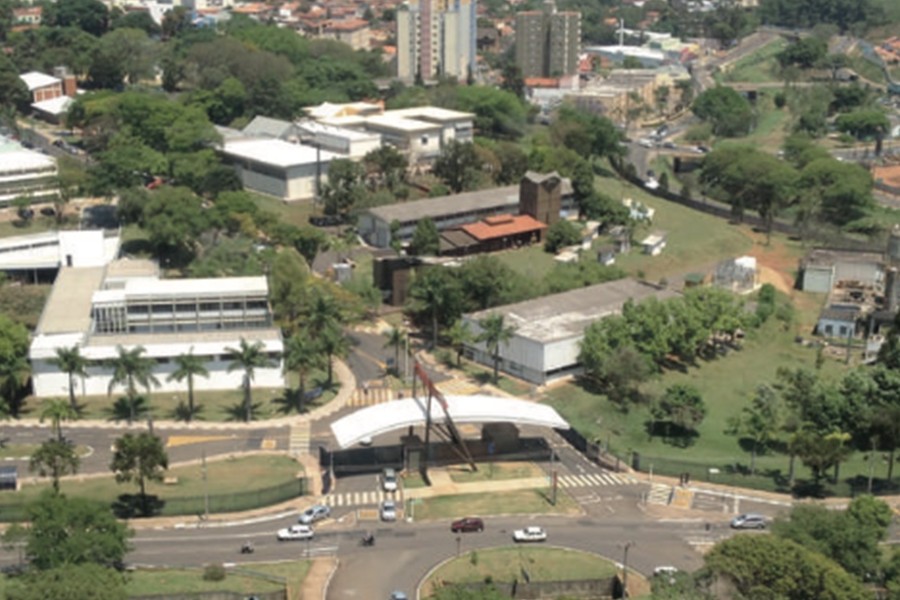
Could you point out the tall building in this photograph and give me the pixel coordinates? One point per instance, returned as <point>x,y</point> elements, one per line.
<point>548,42</point>
<point>436,38</point>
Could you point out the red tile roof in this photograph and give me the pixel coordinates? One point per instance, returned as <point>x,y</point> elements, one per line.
<point>502,226</point>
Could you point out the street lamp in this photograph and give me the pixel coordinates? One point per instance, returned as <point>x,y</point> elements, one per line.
<point>628,545</point>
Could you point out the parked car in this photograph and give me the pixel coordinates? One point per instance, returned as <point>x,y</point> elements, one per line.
<point>314,513</point>
<point>646,143</point>
<point>749,521</point>
<point>467,524</point>
<point>665,571</point>
<point>529,534</point>
<point>389,480</point>
<point>398,596</point>
<point>295,532</point>
<point>388,510</point>
<point>669,145</point>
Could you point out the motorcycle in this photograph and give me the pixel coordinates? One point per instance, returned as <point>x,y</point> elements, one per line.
<point>367,540</point>
<point>247,548</point>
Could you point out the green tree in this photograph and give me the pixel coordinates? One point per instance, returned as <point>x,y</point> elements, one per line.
<point>426,240</point>
<point>458,335</point>
<point>395,338</point>
<point>610,360</point>
<point>55,458</point>
<point>494,334</point>
<point>863,123</point>
<point>499,114</point>
<point>729,113</point>
<point>13,91</point>
<point>288,289</point>
<point>344,188</point>
<point>512,80</point>
<point>561,234</point>
<point>844,190</point>
<point>136,20</point>
<point>435,295</point>
<point>15,371</point>
<point>174,218</point>
<point>73,364</point>
<point>388,165</point>
<point>458,166</point>
<point>681,406</point>
<point>335,345</point>
<point>69,582</point>
<point>73,531</point>
<point>135,51</point>
<point>140,458</point>
<point>57,411</point>
<point>248,357</point>
<point>805,52</point>
<point>187,367</point>
<point>302,355</point>
<point>91,16</point>
<point>130,370</point>
<point>759,422</point>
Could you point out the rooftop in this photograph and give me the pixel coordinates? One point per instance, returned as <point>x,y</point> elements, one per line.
<point>56,106</point>
<point>828,257</point>
<point>432,113</point>
<point>399,123</point>
<point>25,160</point>
<point>328,109</point>
<point>315,127</point>
<point>445,206</point>
<point>277,153</point>
<point>132,267</point>
<point>36,80</point>
<point>502,226</point>
<point>566,315</point>
<point>267,126</point>
<point>68,308</point>
<point>101,347</point>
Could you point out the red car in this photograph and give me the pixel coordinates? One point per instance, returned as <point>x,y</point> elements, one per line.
<point>467,524</point>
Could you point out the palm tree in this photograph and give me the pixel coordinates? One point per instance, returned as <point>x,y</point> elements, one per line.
<point>302,355</point>
<point>14,374</point>
<point>324,312</point>
<point>58,410</point>
<point>130,369</point>
<point>248,357</point>
<point>188,366</point>
<point>494,333</point>
<point>335,345</point>
<point>438,296</point>
<point>395,339</point>
<point>72,363</point>
<point>459,335</point>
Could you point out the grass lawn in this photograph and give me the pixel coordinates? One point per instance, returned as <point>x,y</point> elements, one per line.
<point>494,471</point>
<point>759,67</point>
<point>214,406</point>
<point>498,503</point>
<point>696,241</point>
<point>295,213</point>
<point>726,384</point>
<point>507,564</point>
<point>769,133</point>
<point>15,227</point>
<point>24,303</point>
<point>190,581</point>
<point>244,474</point>
<point>530,260</point>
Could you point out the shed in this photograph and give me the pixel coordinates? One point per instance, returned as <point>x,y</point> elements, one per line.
<point>838,321</point>
<point>606,255</point>
<point>654,243</point>
<point>9,478</point>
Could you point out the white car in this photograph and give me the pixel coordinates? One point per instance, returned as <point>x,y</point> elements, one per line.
<point>389,480</point>
<point>295,532</point>
<point>529,534</point>
<point>388,510</point>
<point>665,571</point>
<point>313,514</point>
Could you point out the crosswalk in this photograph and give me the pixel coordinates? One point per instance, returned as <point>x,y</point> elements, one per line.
<point>369,498</point>
<point>374,395</point>
<point>595,479</point>
<point>659,494</point>
<point>298,438</point>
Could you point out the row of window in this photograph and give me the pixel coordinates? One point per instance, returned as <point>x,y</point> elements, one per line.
<point>165,360</point>
<point>117,326</point>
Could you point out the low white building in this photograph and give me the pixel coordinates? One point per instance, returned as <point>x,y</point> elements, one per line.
<point>54,249</point>
<point>26,174</point>
<point>349,143</point>
<point>126,304</point>
<point>278,168</point>
<point>549,330</point>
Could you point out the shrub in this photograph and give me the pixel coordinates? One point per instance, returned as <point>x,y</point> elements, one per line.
<point>214,572</point>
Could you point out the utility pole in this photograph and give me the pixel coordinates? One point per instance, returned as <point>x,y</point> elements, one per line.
<point>205,488</point>
<point>625,569</point>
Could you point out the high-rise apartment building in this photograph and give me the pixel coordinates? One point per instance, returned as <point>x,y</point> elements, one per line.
<point>436,38</point>
<point>548,41</point>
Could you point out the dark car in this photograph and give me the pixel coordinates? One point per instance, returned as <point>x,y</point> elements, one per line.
<point>467,524</point>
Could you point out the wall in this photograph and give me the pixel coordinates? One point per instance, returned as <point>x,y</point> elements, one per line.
<point>836,328</point>
<point>869,273</point>
<point>87,248</point>
<point>817,279</point>
<point>264,184</point>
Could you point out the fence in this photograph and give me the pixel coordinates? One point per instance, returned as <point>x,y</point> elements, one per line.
<point>274,595</point>
<point>127,506</point>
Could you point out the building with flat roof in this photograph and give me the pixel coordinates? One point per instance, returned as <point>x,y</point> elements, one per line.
<point>28,174</point>
<point>549,330</point>
<point>40,253</point>
<point>126,304</point>
<point>349,143</point>
<point>278,168</point>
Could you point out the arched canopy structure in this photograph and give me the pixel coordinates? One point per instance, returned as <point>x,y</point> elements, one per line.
<point>398,414</point>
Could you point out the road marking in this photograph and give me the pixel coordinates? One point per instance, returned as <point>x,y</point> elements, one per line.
<point>186,440</point>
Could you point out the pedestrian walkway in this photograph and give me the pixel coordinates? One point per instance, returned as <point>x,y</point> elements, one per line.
<point>596,479</point>
<point>458,387</point>
<point>369,498</point>
<point>298,438</point>
<point>374,395</point>
<point>659,494</point>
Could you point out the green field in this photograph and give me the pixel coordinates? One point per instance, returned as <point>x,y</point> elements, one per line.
<point>224,477</point>
<point>190,581</point>
<point>495,471</point>
<point>517,502</point>
<point>759,67</point>
<point>726,384</point>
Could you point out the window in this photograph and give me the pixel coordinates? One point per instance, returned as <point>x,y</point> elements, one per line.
<point>829,330</point>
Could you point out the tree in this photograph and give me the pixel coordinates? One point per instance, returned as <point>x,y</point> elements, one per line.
<point>302,355</point>
<point>134,50</point>
<point>57,411</point>
<point>512,80</point>
<point>844,190</point>
<point>759,421</point>
<point>436,296</point>
<point>139,458</point>
<point>137,20</point>
<point>73,531</point>
<point>335,345</point>
<point>457,166</point>
<point>768,566</point>
<point>13,91</point>
<point>388,164</point>
<point>69,582</point>
<point>396,338</point>
<point>131,369</point>
<point>188,366</point>
<point>288,289</point>
<point>458,335</point>
<point>55,458</point>
<point>174,218</point>
<point>499,114</point>
<point>682,406</point>
<point>863,123</point>
<point>248,357</point>
<point>426,240</point>
<point>805,52</point>
<point>89,15</point>
<point>610,359</point>
<point>729,113</point>
<point>73,364</point>
<point>344,188</point>
<point>561,234</point>
<point>494,334</point>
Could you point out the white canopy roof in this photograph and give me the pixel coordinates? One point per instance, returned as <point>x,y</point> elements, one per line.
<point>390,416</point>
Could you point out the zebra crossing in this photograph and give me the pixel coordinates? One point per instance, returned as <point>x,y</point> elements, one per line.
<point>369,498</point>
<point>299,437</point>
<point>373,395</point>
<point>660,494</point>
<point>595,479</point>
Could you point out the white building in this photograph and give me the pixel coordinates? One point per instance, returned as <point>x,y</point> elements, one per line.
<point>51,250</point>
<point>28,174</point>
<point>549,330</point>
<point>278,168</point>
<point>349,143</point>
<point>126,304</point>
<point>436,38</point>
